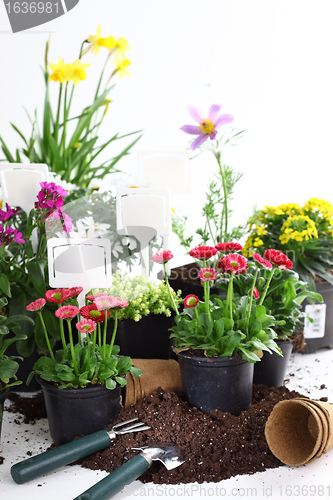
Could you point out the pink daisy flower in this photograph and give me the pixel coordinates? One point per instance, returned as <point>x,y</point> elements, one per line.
<point>37,305</point>
<point>203,252</point>
<point>233,262</point>
<point>120,302</point>
<point>227,247</point>
<point>86,325</point>
<point>207,274</point>
<point>162,257</point>
<point>262,261</point>
<point>256,293</point>
<point>91,312</point>
<point>105,302</point>
<point>208,127</point>
<point>74,291</point>
<point>59,295</point>
<point>191,301</point>
<point>67,312</point>
<point>278,258</point>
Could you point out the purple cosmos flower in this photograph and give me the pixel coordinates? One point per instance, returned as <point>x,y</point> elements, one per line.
<point>208,127</point>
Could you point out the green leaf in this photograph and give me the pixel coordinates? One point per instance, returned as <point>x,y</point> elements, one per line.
<point>121,381</point>
<point>110,384</point>
<point>135,371</point>
<point>4,285</point>
<point>36,273</point>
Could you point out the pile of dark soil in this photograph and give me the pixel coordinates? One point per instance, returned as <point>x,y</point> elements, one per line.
<point>32,408</point>
<point>214,447</point>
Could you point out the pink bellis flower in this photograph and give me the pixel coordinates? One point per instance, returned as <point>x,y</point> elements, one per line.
<point>208,127</point>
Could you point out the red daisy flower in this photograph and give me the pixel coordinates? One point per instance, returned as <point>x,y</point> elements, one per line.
<point>262,261</point>
<point>191,301</point>
<point>59,295</point>
<point>220,265</point>
<point>233,262</point>
<point>278,258</point>
<point>67,312</point>
<point>86,325</point>
<point>256,293</point>
<point>229,247</point>
<point>207,274</point>
<point>203,252</point>
<point>91,312</point>
<point>74,291</point>
<point>37,305</point>
<point>162,257</point>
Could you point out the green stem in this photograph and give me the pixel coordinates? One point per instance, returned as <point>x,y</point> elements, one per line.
<point>76,369</point>
<point>47,337</point>
<point>225,191</point>
<point>231,294</point>
<point>56,128</point>
<point>99,336</point>
<point>206,296</point>
<point>169,290</point>
<point>94,335</point>
<point>251,298</point>
<point>114,331</point>
<point>262,298</point>
<point>62,333</point>
<point>88,348</point>
<point>104,335</point>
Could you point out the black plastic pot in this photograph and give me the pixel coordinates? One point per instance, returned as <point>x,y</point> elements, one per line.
<point>216,383</point>
<point>144,339</point>
<point>3,395</point>
<point>272,368</point>
<point>315,343</point>
<point>78,412</point>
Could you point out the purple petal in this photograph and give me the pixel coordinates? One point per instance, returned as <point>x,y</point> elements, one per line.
<point>223,120</point>
<point>199,141</point>
<point>195,113</point>
<point>190,129</point>
<point>214,111</point>
<point>213,135</point>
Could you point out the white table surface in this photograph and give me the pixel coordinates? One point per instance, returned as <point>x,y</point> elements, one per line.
<point>314,480</point>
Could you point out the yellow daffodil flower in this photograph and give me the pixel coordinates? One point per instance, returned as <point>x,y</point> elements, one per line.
<point>76,72</point>
<point>122,46</point>
<point>121,65</point>
<point>97,41</point>
<point>59,71</point>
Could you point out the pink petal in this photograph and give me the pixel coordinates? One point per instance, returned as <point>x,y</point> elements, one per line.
<point>195,113</point>
<point>199,141</point>
<point>214,111</point>
<point>223,120</point>
<point>190,129</point>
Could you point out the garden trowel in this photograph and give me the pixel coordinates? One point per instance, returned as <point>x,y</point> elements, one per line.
<point>112,484</point>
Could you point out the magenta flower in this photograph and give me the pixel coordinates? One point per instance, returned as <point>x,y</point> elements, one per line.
<point>18,237</point>
<point>37,305</point>
<point>5,216</point>
<point>208,127</point>
<point>162,257</point>
<point>207,274</point>
<point>67,312</point>
<point>86,325</point>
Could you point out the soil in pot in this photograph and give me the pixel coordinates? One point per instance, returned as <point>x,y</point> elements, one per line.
<point>272,368</point>
<point>148,338</point>
<point>319,334</point>
<point>217,382</point>
<point>76,412</point>
<point>215,446</point>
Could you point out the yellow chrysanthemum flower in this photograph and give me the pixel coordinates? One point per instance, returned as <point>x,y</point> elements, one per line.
<point>97,41</point>
<point>59,71</point>
<point>76,73</point>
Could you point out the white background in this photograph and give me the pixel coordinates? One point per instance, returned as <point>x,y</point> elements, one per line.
<point>268,63</point>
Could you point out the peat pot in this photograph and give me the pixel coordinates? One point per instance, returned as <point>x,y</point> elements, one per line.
<point>320,333</point>
<point>271,369</point>
<point>148,338</point>
<point>77,412</point>
<point>216,383</point>
<point>3,395</point>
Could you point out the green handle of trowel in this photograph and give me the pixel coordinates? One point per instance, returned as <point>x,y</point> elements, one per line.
<point>57,457</point>
<point>117,480</point>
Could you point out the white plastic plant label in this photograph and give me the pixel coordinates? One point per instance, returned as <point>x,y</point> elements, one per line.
<point>316,329</point>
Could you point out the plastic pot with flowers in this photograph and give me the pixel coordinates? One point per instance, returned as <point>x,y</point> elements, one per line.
<point>281,291</point>
<point>82,381</point>
<point>218,341</point>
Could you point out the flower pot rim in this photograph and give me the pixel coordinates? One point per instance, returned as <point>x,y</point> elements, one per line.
<point>70,392</point>
<point>213,360</point>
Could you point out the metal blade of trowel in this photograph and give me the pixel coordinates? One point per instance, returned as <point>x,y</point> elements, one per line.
<point>112,484</point>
